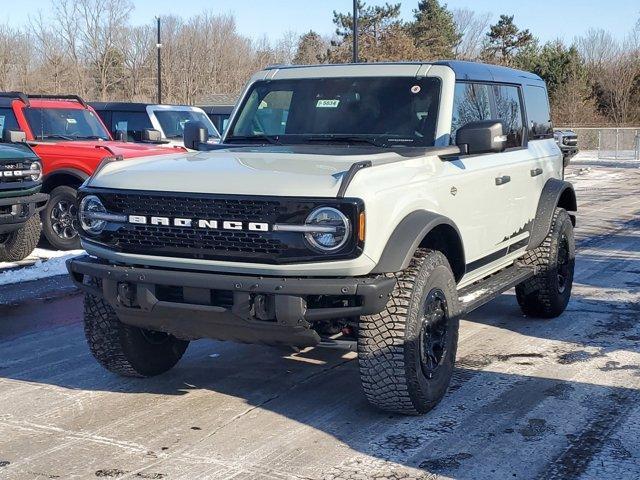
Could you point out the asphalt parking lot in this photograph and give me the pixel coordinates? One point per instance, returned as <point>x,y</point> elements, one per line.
<point>530,399</point>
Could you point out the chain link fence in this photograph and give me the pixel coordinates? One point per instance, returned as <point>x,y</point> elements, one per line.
<point>611,143</point>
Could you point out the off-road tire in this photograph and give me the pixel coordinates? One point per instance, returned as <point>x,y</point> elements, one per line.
<point>124,349</point>
<point>541,295</point>
<point>18,245</point>
<point>389,343</point>
<point>61,193</point>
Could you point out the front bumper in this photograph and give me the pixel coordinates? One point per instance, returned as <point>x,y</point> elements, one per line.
<point>243,308</point>
<point>15,211</point>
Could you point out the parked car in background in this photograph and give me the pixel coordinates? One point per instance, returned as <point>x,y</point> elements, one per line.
<point>219,115</point>
<point>71,141</point>
<point>136,118</point>
<point>567,140</point>
<point>20,201</point>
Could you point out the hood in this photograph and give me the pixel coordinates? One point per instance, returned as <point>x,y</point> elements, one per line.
<point>16,151</point>
<point>103,148</point>
<point>291,171</point>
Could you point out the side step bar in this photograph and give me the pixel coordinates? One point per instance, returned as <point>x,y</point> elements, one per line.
<point>485,290</point>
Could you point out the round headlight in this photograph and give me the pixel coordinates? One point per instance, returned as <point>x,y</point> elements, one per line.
<point>89,207</point>
<point>35,171</point>
<point>330,229</point>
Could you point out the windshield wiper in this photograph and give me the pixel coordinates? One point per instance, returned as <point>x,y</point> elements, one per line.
<point>331,138</point>
<point>90,137</point>
<point>273,140</point>
<point>55,135</point>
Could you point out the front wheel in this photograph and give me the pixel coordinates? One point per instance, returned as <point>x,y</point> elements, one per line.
<point>547,294</point>
<point>60,219</point>
<point>18,245</point>
<point>407,352</point>
<point>127,350</point>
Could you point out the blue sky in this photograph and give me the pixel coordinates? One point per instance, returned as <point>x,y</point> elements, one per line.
<point>546,18</point>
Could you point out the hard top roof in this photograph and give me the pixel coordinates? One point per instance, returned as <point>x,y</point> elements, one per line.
<point>130,106</point>
<point>463,70</point>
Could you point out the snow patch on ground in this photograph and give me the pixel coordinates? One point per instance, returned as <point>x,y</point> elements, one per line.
<point>41,264</point>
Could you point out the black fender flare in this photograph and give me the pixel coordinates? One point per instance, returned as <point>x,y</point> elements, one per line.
<point>68,172</point>
<point>406,238</point>
<point>555,193</point>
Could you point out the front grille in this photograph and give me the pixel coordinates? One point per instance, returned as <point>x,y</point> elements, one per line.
<point>15,173</point>
<point>195,207</point>
<point>216,244</point>
<point>139,237</point>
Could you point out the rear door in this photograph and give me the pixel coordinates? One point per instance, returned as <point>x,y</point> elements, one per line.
<point>547,157</point>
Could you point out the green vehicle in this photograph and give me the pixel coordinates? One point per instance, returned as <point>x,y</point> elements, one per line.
<point>20,201</point>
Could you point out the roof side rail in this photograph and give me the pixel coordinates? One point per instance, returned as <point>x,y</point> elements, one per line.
<point>16,95</point>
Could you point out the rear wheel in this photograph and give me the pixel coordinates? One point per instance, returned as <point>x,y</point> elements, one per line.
<point>407,352</point>
<point>18,245</point>
<point>127,350</point>
<point>60,219</point>
<point>547,294</point>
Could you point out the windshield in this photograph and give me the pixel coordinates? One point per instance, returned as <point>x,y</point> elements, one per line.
<point>174,121</point>
<point>65,124</point>
<point>384,111</point>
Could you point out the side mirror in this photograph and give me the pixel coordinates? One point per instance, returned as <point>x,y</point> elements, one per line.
<point>484,136</point>
<point>14,136</point>
<point>150,135</point>
<point>120,136</point>
<point>195,133</point>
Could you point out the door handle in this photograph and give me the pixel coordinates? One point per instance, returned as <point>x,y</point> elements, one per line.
<point>536,171</point>
<point>503,179</point>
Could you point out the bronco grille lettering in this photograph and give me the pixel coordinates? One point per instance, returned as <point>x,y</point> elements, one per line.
<point>206,224</point>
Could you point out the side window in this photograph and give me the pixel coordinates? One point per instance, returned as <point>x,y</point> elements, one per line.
<point>470,104</point>
<point>509,110</point>
<point>7,121</point>
<point>131,122</point>
<point>538,114</point>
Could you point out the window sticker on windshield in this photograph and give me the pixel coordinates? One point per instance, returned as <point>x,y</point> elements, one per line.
<point>415,89</point>
<point>327,103</point>
<point>72,120</point>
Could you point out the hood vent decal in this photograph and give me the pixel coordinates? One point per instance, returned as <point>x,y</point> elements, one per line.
<point>350,174</point>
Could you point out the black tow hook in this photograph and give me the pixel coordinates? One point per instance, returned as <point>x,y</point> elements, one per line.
<point>126,294</point>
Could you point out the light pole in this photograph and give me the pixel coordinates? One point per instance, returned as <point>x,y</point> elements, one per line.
<point>355,31</point>
<point>158,47</point>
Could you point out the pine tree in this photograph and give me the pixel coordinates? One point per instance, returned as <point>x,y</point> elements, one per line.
<point>372,21</point>
<point>434,30</point>
<point>381,35</point>
<point>505,40</point>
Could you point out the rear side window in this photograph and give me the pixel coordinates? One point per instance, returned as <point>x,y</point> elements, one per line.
<point>131,122</point>
<point>7,121</point>
<point>509,110</point>
<point>471,103</point>
<point>537,103</point>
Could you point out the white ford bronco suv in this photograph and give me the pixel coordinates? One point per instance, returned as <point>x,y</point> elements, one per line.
<point>366,205</point>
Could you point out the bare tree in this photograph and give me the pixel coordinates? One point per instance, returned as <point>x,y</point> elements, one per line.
<point>473,27</point>
<point>597,47</point>
<point>622,74</point>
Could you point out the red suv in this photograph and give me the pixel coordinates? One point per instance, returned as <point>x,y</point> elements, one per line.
<point>71,140</point>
